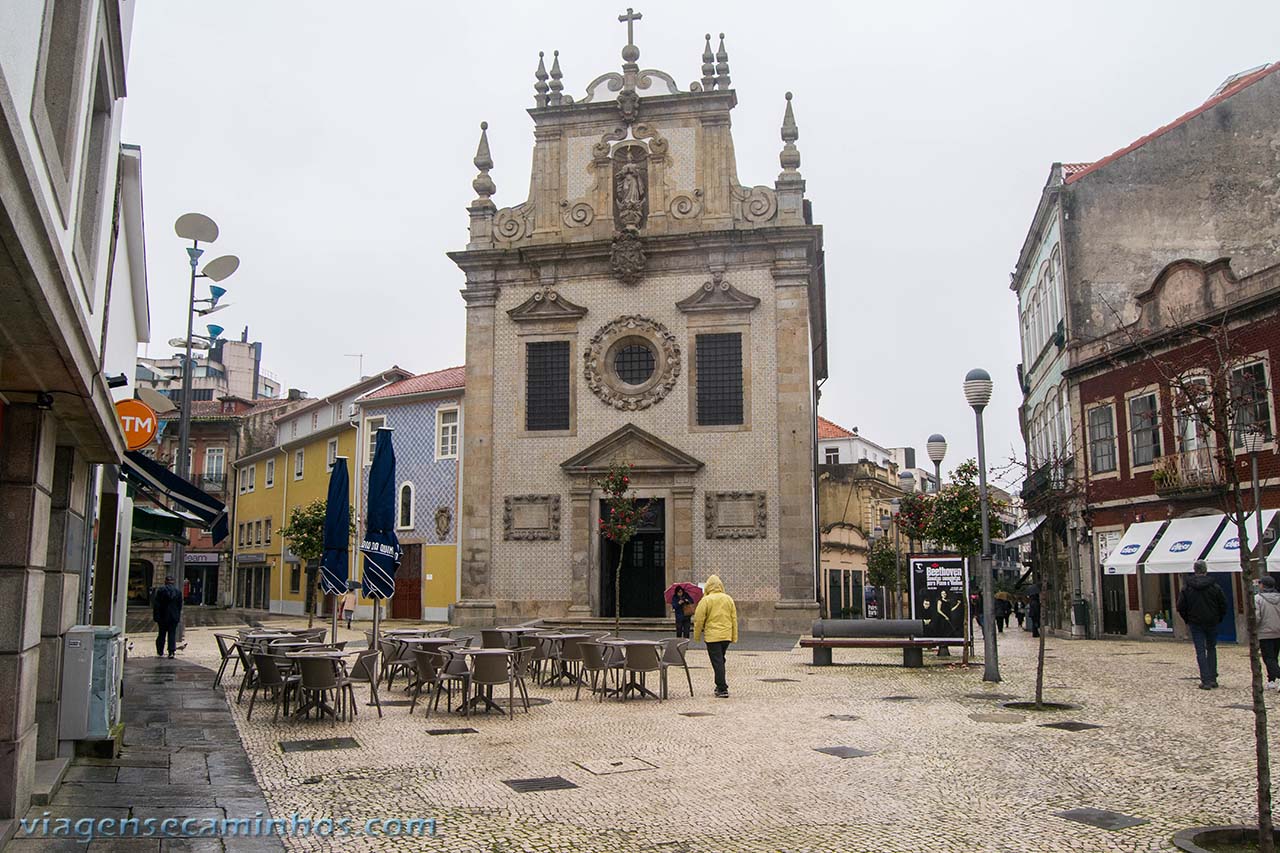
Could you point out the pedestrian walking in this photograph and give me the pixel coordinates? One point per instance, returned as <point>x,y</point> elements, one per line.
<point>1019,611</point>
<point>1003,608</point>
<point>683,606</point>
<point>716,619</point>
<point>1267,603</point>
<point>166,612</point>
<point>1033,609</point>
<point>1202,605</point>
<point>349,604</point>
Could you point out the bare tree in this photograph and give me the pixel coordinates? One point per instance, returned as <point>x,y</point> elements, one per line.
<point>1203,364</point>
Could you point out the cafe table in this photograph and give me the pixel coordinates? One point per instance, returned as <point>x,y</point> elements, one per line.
<point>632,685</point>
<point>318,700</point>
<point>487,696</point>
<point>519,632</point>
<point>563,672</point>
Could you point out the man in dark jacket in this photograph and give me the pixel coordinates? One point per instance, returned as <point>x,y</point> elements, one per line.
<point>1202,606</point>
<point>166,611</point>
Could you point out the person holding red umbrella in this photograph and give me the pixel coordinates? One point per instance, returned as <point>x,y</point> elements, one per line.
<point>683,598</point>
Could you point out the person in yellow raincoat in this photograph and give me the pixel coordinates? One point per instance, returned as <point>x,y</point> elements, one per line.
<point>716,619</point>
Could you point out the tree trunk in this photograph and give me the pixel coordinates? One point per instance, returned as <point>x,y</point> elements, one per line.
<point>1039,581</point>
<point>1262,752</point>
<point>617,592</point>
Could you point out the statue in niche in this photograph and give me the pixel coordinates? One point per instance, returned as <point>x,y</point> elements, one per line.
<point>630,187</point>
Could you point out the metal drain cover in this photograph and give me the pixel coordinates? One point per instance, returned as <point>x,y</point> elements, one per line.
<point>544,783</point>
<point>999,697</point>
<point>842,751</point>
<point>1101,818</point>
<point>467,731</point>
<point>1070,726</point>
<point>779,680</point>
<point>319,744</point>
<point>609,766</point>
<point>899,698</point>
<point>696,714</point>
<point>844,718</point>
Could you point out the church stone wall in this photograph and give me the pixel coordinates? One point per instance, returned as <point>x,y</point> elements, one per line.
<point>532,571</point>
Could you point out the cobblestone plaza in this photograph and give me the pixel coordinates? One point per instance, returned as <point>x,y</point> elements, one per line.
<point>949,769</point>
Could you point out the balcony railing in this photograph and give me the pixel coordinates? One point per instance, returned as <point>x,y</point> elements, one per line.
<point>213,482</point>
<point>1189,471</point>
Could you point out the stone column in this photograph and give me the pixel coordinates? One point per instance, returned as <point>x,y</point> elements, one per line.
<point>475,527</point>
<point>580,530</point>
<point>26,485</point>
<point>795,427</point>
<point>64,563</point>
<point>682,534</point>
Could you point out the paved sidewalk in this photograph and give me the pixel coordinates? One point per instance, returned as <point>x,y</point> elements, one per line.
<point>182,758</point>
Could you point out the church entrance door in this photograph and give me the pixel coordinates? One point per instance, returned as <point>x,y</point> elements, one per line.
<point>644,566</point>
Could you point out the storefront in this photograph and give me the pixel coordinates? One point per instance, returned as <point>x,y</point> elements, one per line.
<point>199,581</point>
<point>253,581</point>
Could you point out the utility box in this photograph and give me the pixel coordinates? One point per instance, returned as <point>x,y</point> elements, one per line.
<point>90,705</point>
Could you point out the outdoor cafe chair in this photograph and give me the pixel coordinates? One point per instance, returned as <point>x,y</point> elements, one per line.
<point>393,660</point>
<point>440,632</point>
<point>227,649</point>
<point>492,638</point>
<point>452,668</point>
<point>522,670</point>
<point>569,657</point>
<point>543,649</point>
<point>595,666</point>
<point>490,670</point>
<point>322,677</point>
<point>365,669</point>
<point>368,639</point>
<point>674,650</point>
<point>427,673</point>
<point>272,681</point>
<point>641,659</point>
<point>249,676</point>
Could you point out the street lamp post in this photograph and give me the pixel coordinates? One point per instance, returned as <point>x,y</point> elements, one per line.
<point>895,506</point>
<point>1253,440</point>
<point>197,228</point>
<point>977,392</point>
<point>937,449</point>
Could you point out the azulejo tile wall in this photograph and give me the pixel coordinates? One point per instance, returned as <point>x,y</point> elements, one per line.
<point>435,482</point>
<point>745,460</point>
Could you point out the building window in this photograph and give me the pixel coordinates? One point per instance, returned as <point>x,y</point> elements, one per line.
<point>371,426</point>
<point>337,413</point>
<point>240,535</point>
<point>253,478</point>
<point>719,377</point>
<point>330,454</point>
<point>257,532</point>
<point>1144,429</point>
<point>404,510</point>
<point>295,578</point>
<point>59,84</point>
<point>215,460</point>
<point>546,385</point>
<point>832,455</point>
<point>266,532</point>
<point>315,421</point>
<point>446,433</point>
<point>299,461</point>
<point>1251,397</point>
<point>1102,439</point>
<point>270,475</point>
<point>242,477</point>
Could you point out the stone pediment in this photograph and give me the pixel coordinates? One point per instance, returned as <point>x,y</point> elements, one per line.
<point>630,444</point>
<point>717,295</point>
<point>546,304</point>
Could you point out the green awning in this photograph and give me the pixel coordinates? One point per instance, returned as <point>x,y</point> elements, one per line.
<point>153,523</point>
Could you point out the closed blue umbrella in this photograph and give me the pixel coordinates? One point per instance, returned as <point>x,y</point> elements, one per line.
<point>380,546</point>
<point>337,533</point>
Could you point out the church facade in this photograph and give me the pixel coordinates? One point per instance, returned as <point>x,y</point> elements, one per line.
<point>641,306</point>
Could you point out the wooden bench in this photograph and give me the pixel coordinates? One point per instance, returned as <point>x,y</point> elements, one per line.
<point>902,634</point>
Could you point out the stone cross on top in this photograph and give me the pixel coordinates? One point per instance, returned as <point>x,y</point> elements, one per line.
<point>629,19</point>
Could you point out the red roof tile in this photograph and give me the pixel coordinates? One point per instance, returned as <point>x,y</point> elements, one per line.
<point>449,379</point>
<point>1069,169</point>
<point>827,429</point>
<point>1228,90</point>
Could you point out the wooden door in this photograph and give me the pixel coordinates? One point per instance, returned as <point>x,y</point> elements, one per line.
<point>406,603</point>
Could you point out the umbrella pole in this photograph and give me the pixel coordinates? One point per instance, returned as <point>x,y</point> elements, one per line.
<point>377,621</point>
<point>334,613</point>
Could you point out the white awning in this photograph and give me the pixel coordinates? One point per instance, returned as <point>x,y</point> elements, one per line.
<point>1123,559</point>
<point>1183,542</point>
<point>1024,531</point>
<point>1224,556</point>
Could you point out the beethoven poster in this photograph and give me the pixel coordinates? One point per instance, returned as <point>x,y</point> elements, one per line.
<point>939,590</point>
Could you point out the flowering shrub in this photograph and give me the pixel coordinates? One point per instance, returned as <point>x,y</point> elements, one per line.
<point>622,514</point>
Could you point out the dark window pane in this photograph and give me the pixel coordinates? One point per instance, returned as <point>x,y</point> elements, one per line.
<point>719,368</point>
<point>547,385</point>
<point>1102,440</point>
<point>1251,401</point>
<point>634,364</point>
<point>1144,426</point>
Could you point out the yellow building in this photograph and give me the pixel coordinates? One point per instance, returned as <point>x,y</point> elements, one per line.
<point>293,472</point>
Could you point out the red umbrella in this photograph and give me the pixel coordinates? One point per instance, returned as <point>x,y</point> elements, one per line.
<point>692,589</point>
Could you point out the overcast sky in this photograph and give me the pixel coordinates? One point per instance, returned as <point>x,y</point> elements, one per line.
<point>332,142</point>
